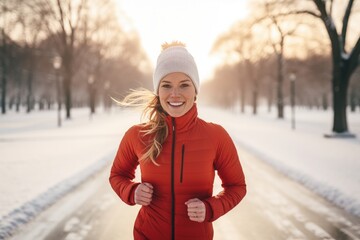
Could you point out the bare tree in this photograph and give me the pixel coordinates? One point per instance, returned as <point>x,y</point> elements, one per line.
<point>345,57</point>
<point>6,26</point>
<point>280,28</point>
<point>344,61</point>
<point>85,31</point>
<point>30,17</point>
<point>103,35</point>
<point>278,47</point>
<point>240,40</point>
<point>65,20</point>
<point>88,37</point>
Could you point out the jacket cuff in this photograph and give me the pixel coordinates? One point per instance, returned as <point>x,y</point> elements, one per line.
<point>209,212</point>
<point>132,194</point>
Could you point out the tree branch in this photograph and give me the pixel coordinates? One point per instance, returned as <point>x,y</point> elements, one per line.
<point>70,16</point>
<point>298,12</point>
<point>331,29</point>
<point>354,57</point>
<point>331,7</point>
<point>63,34</point>
<point>345,23</point>
<point>79,10</point>
<point>314,14</point>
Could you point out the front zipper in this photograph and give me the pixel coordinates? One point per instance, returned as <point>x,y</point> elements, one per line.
<point>172,182</point>
<point>182,163</point>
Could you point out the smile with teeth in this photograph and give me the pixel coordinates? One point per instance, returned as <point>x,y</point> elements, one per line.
<point>176,104</point>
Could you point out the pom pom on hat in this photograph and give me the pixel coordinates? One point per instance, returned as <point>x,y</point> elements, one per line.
<point>175,58</point>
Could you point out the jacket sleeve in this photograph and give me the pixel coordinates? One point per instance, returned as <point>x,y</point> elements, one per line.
<point>229,170</point>
<point>123,169</point>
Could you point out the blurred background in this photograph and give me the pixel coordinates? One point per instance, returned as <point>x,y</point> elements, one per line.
<point>61,61</point>
<point>248,52</point>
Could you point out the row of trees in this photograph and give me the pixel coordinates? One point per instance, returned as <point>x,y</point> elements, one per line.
<point>98,57</point>
<point>283,39</point>
<point>252,84</point>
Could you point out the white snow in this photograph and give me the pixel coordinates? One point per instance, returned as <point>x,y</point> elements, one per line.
<point>41,162</point>
<point>328,166</point>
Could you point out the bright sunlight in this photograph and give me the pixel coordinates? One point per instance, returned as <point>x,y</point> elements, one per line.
<point>197,23</point>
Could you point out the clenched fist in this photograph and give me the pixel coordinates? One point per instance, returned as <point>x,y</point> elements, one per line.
<point>196,210</point>
<point>143,194</point>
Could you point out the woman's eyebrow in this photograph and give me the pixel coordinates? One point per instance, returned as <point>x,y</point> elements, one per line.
<point>185,80</point>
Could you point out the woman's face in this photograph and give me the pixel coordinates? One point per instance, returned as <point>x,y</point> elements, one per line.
<point>177,94</point>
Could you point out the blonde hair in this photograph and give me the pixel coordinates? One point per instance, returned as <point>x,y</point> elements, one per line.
<point>155,127</point>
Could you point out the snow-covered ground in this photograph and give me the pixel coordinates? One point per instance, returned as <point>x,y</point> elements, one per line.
<point>328,166</point>
<point>41,162</point>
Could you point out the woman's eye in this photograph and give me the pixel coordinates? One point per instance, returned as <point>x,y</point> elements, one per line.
<point>184,85</point>
<point>166,86</point>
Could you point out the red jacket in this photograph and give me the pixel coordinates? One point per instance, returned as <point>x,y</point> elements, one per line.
<point>191,154</point>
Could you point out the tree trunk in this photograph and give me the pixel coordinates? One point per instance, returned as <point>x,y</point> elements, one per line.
<point>324,101</point>
<point>92,97</point>
<point>29,97</point>
<point>3,90</point>
<point>339,104</point>
<point>3,74</point>
<point>270,97</point>
<point>242,94</point>
<point>67,80</point>
<point>339,89</point>
<point>67,95</point>
<point>280,95</point>
<point>255,101</point>
<point>352,100</point>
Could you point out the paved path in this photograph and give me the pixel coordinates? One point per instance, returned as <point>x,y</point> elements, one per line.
<point>274,208</point>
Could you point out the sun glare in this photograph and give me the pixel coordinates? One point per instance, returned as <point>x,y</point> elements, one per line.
<point>196,23</point>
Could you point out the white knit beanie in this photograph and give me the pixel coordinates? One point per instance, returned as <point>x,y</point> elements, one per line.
<point>175,59</point>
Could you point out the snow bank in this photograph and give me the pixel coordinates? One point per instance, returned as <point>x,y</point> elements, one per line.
<point>40,162</point>
<point>327,166</point>
<point>331,193</point>
<point>22,215</point>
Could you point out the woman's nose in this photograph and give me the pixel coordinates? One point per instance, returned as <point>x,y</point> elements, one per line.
<point>174,91</point>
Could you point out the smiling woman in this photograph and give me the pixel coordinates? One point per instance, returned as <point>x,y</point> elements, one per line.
<point>198,23</point>
<point>177,94</point>
<point>178,154</point>
<point>176,79</point>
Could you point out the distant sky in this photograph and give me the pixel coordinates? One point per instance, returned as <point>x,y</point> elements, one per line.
<point>197,23</point>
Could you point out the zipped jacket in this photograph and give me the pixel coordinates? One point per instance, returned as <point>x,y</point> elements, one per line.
<point>192,152</point>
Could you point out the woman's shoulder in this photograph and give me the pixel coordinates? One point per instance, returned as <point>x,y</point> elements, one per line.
<point>133,137</point>
<point>213,128</point>
<point>134,130</point>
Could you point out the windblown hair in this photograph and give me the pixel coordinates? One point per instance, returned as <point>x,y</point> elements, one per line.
<point>155,127</point>
<point>151,108</point>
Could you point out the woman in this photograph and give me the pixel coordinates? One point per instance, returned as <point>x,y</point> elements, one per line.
<point>178,154</point>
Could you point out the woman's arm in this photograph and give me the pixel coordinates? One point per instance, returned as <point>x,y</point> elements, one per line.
<point>230,171</point>
<point>123,169</point>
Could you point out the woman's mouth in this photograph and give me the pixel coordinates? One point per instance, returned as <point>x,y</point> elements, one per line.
<point>176,104</point>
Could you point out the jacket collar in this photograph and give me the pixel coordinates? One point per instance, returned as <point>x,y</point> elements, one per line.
<point>185,122</point>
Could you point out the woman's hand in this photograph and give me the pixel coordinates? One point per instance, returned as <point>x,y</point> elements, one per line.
<point>143,194</point>
<point>196,210</point>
